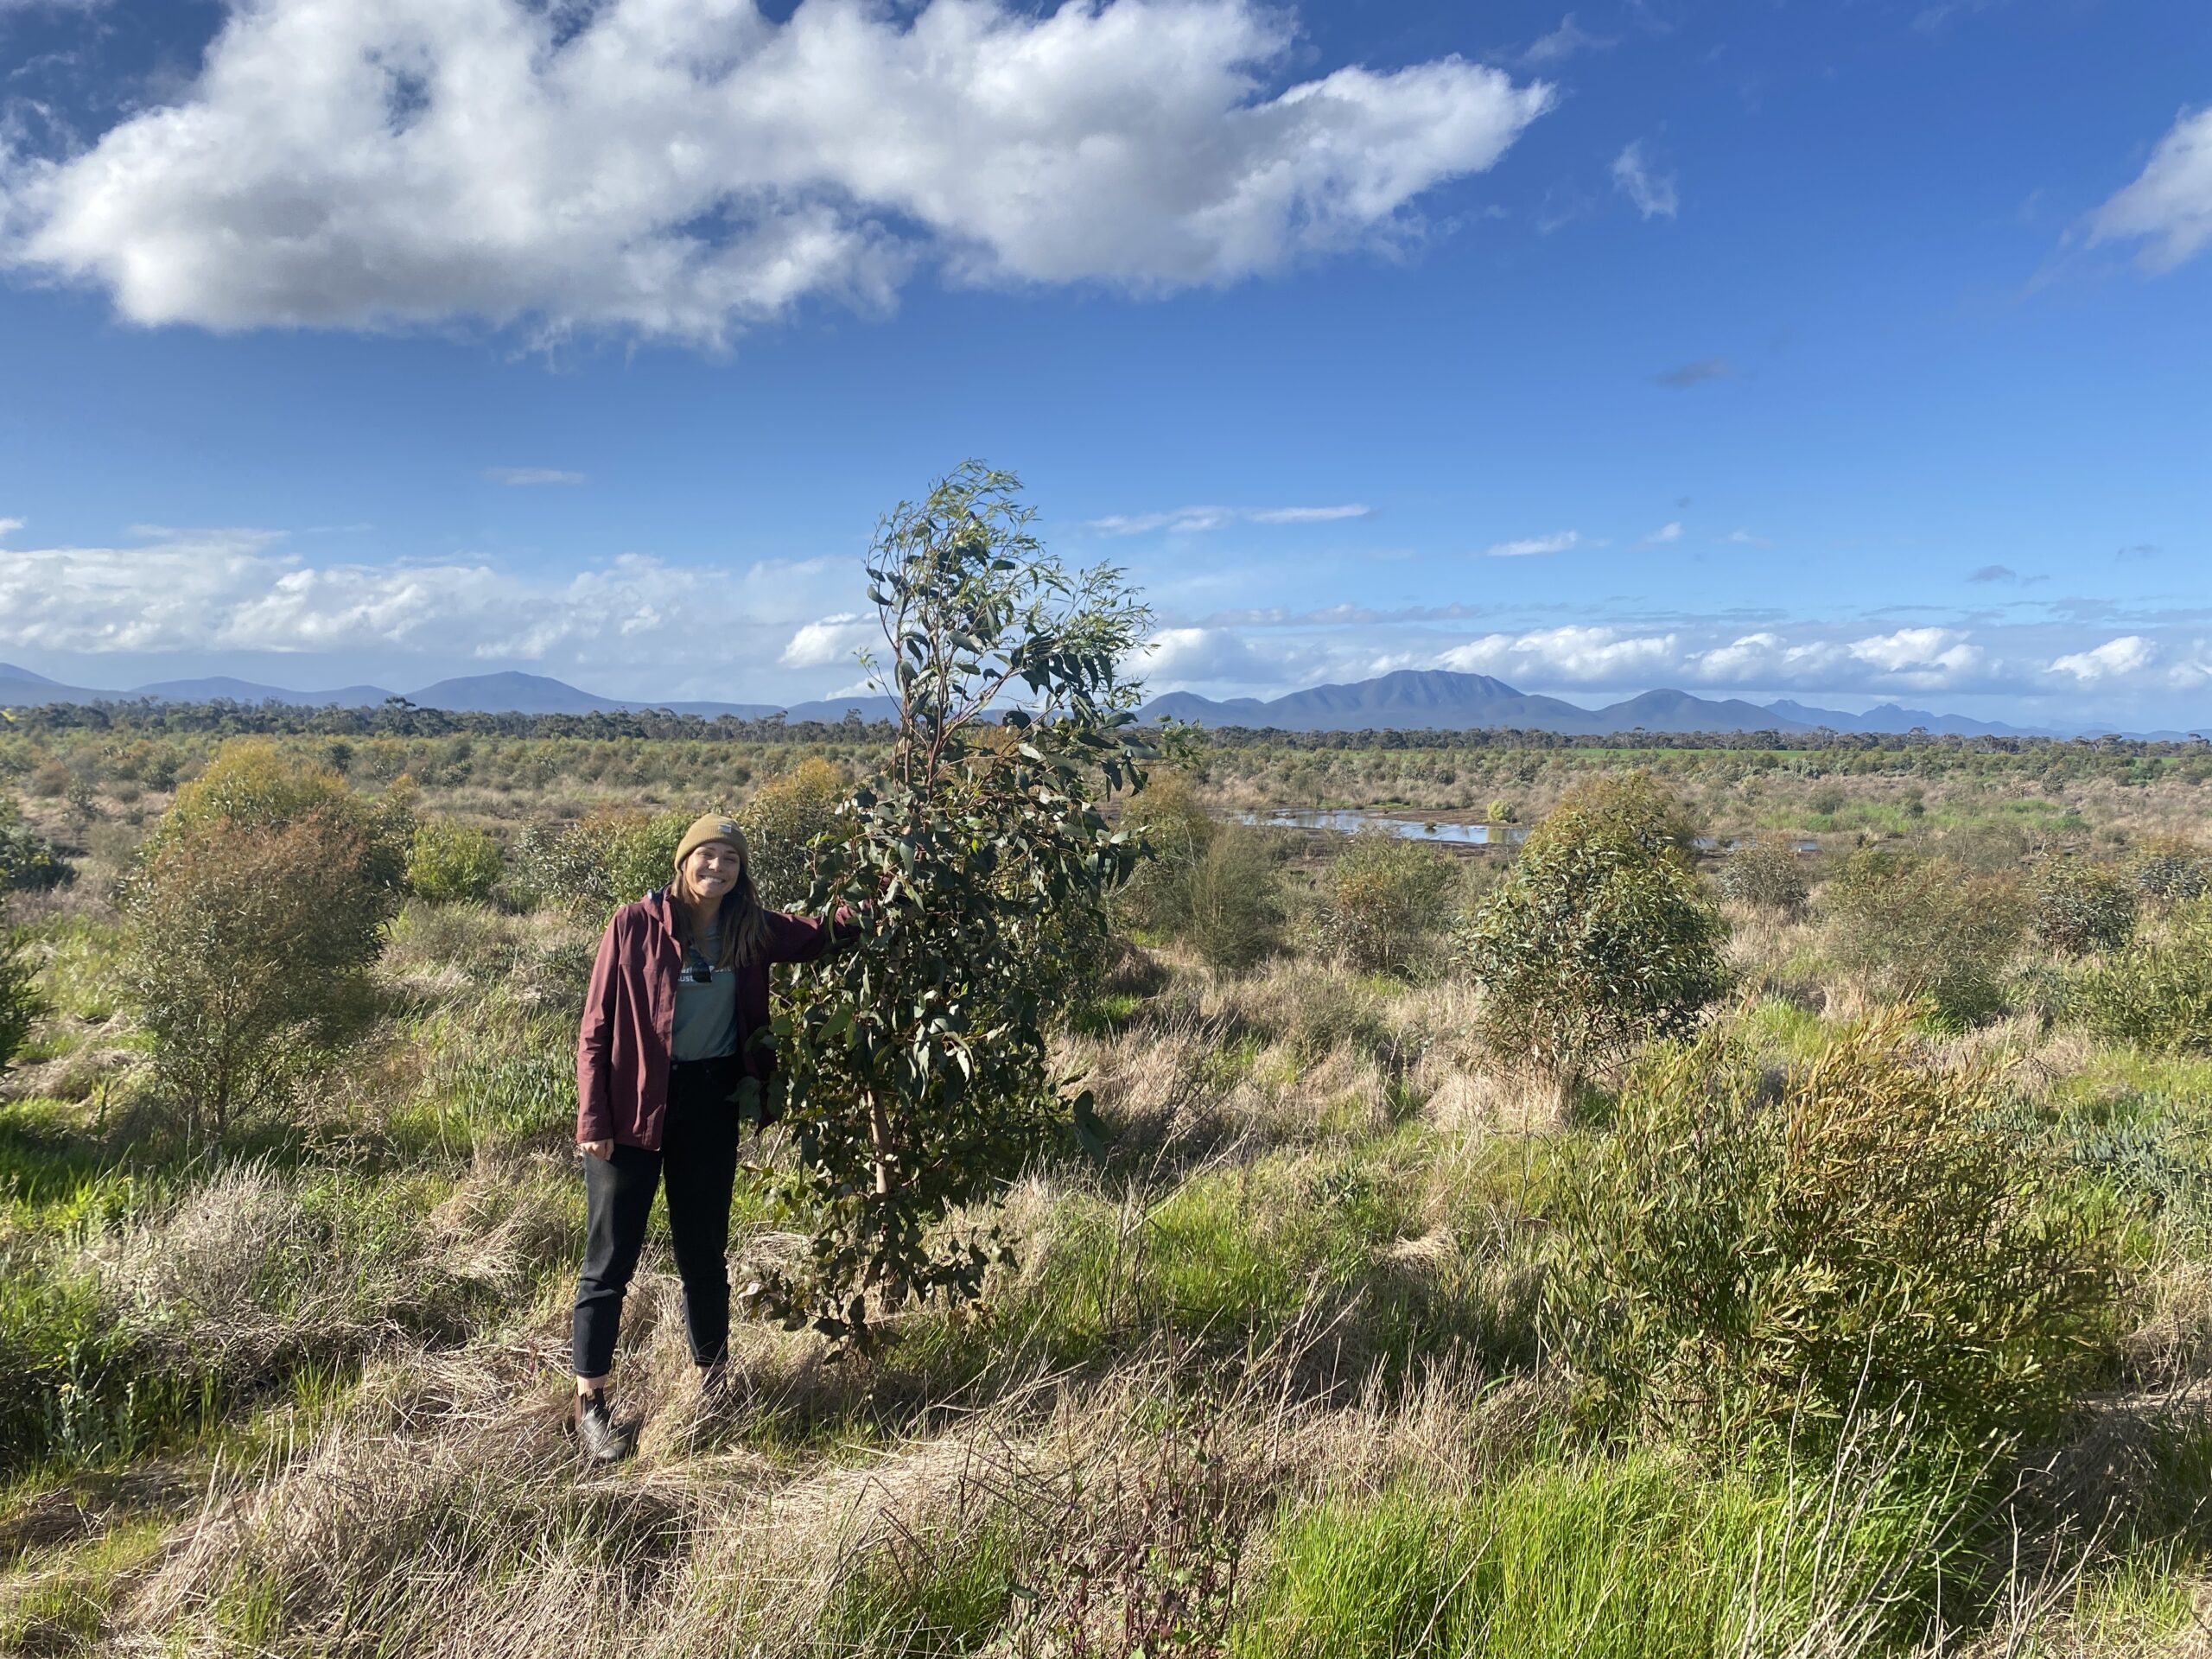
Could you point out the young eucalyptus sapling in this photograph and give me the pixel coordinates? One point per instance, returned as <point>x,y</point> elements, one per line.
<point>913,1069</point>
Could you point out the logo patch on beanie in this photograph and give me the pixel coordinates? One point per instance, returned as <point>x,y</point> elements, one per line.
<point>727,827</point>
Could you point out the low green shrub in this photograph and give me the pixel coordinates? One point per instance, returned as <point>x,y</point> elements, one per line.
<point>453,863</point>
<point>1767,873</point>
<point>1926,928</point>
<point>2170,870</point>
<point>2081,907</point>
<point>1740,1258</point>
<point>20,1002</point>
<point>27,860</point>
<point>556,866</point>
<point>781,821</point>
<point>1385,902</point>
<point>1598,939</point>
<point>2158,994</point>
<point>253,921</point>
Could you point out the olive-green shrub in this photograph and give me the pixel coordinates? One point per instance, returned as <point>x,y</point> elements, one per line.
<point>29,860</point>
<point>252,921</point>
<point>2081,907</point>
<point>1925,928</point>
<point>2158,994</point>
<point>781,823</point>
<point>1767,873</point>
<point>1230,898</point>
<point>1739,1258</point>
<point>1598,939</point>
<point>2171,870</point>
<point>453,863</point>
<point>1215,886</point>
<point>20,1002</point>
<point>1385,902</point>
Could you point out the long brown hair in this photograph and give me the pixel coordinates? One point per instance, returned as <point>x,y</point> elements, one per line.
<point>742,923</point>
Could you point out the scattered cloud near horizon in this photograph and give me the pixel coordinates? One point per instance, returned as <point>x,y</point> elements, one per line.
<point>524,477</point>
<point>688,171</point>
<point>1654,194</point>
<point>224,591</point>
<point>634,625</point>
<point>1186,521</point>
<point>9,525</point>
<point>1706,656</point>
<point>2169,206</point>
<point>1668,532</point>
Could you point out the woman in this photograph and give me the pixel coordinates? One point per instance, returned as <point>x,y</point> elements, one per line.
<point>678,992</point>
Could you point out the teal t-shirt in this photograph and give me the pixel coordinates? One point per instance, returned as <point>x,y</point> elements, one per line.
<point>706,1013</point>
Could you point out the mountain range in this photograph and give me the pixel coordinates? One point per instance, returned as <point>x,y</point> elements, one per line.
<point>1409,700</point>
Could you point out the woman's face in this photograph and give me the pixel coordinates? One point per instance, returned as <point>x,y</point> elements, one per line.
<point>713,869</point>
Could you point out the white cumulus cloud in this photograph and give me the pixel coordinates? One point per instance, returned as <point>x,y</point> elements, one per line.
<point>10,524</point>
<point>242,590</point>
<point>685,170</point>
<point>1668,532</point>
<point>832,639</point>
<point>2114,660</point>
<point>1566,656</point>
<point>2170,206</point>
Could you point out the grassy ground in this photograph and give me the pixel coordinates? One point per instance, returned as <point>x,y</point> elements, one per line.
<point>1274,1380</point>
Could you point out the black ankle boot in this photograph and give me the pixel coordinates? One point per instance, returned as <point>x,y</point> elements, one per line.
<point>600,1438</point>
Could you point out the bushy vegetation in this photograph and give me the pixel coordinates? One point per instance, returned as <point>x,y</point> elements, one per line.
<point>254,919</point>
<point>453,863</point>
<point>1767,873</point>
<point>1925,927</point>
<point>2157,995</point>
<point>2081,907</point>
<point>20,1002</point>
<point>1386,903</point>
<point>1214,886</point>
<point>29,860</point>
<point>783,820</point>
<point>1597,940</point>
<point>1744,1258</point>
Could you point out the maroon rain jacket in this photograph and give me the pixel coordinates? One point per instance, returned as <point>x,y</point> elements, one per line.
<point>623,1049</point>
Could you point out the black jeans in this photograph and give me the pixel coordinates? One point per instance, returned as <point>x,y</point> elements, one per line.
<point>698,1157</point>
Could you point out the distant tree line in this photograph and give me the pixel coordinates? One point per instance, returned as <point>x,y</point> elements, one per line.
<point>398,718</point>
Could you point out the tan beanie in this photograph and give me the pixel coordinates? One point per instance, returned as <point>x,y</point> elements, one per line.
<point>713,827</point>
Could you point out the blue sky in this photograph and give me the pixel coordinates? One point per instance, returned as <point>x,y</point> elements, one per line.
<point>1846,350</point>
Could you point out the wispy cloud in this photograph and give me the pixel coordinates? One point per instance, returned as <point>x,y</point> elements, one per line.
<point>2138,551</point>
<point>1563,42</point>
<point>1683,375</point>
<point>1187,521</point>
<point>523,476</point>
<point>1993,573</point>
<point>1665,533</point>
<point>9,525</point>
<point>1745,538</point>
<point>2168,207</point>
<point>1560,542</point>
<point>1309,515</point>
<point>1654,194</point>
